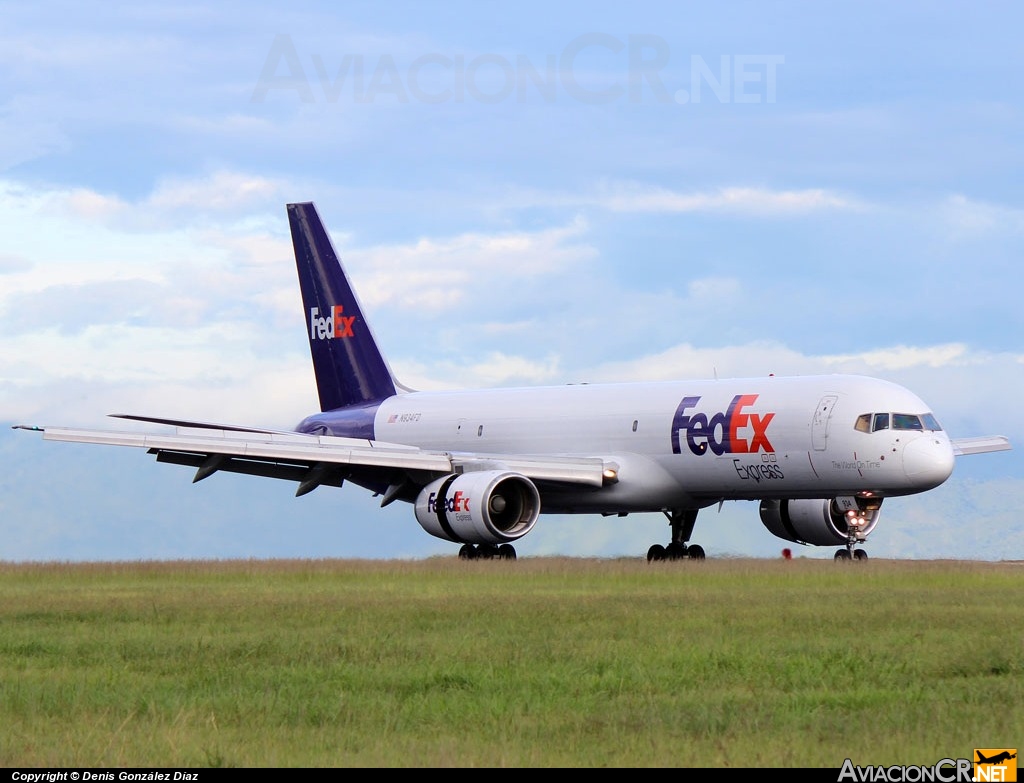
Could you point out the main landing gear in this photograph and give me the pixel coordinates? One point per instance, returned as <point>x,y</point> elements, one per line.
<point>851,554</point>
<point>682,522</point>
<point>487,552</point>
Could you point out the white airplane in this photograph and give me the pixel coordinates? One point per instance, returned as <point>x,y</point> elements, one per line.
<point>819,453</point>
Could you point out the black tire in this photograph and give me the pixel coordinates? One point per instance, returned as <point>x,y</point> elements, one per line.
<point>468,552</point>
<point>842,554</point>
<point>506,552</point>
<point>655,553</point>
<point>860,554</point>
<point>695,552</point>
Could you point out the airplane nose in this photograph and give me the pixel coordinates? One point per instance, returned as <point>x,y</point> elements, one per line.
<point>928,461</point>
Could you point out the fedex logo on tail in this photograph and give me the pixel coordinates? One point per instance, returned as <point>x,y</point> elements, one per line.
<point>734,431</point>
<point>330,326</point>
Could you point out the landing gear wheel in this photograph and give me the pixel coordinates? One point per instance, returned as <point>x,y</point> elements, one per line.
<point>682,521</point>
<point>842,554</point>
<point>860,554</point>
<point>675,551</point>
<point>487,552</point>
<point>656,553</point>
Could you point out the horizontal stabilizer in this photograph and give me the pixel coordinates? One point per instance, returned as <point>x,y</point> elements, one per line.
<point>197,425</point>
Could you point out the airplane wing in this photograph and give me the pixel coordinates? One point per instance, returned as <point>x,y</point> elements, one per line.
<point>313,460</point>
<point>982,445</point>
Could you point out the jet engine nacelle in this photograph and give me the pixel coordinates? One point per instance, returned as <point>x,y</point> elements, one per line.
<point>820,522</point>
<point>480,507</point>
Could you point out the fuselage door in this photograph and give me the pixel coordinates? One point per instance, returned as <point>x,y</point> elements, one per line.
<point>819,425</point>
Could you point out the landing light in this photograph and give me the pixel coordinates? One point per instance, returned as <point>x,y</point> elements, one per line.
<point>610,475</point>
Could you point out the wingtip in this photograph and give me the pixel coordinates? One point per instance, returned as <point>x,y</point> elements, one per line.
<point>981,445</point>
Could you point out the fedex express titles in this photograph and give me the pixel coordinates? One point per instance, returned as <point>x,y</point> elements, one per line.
<point>722,432</point>
<point>733,431</point>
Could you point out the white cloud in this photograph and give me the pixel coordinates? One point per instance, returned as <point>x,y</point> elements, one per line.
<point>495,369</point>
<point>220,191</point>
<point>714,289</point>
<point>766,357</point>
<point>645,198</point>
<point>89,205</point>
<point>437,274</point>
<point>233,126</point>
<point>966,218</point>
<point>900,357</point>
<point>175,201</point>
<point>633,197</point>
<point>13,264</point>
<point>687,361</point>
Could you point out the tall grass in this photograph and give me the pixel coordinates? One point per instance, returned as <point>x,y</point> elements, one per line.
<point>538,662</point>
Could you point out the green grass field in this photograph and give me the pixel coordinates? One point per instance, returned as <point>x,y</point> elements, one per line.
<point>544,662</point>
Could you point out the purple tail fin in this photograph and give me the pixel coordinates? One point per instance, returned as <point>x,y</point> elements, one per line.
<point>350,369</point>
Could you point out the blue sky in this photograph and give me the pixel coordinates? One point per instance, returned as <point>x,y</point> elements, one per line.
<point>523,193</point>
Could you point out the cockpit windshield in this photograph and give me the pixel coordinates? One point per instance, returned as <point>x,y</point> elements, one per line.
<point>873,422</point>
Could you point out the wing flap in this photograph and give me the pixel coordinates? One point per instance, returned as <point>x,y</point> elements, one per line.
<point>980,445</point>
<point>573,470</point>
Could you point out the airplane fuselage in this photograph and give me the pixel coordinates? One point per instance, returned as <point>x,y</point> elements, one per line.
<point>690,442</point>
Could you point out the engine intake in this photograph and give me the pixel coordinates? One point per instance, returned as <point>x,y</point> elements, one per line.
<point>819,522</point>
<point>481,507</point>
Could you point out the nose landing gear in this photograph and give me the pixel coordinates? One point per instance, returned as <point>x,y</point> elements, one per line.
<point>858,523</point>
<point>851,554</point>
